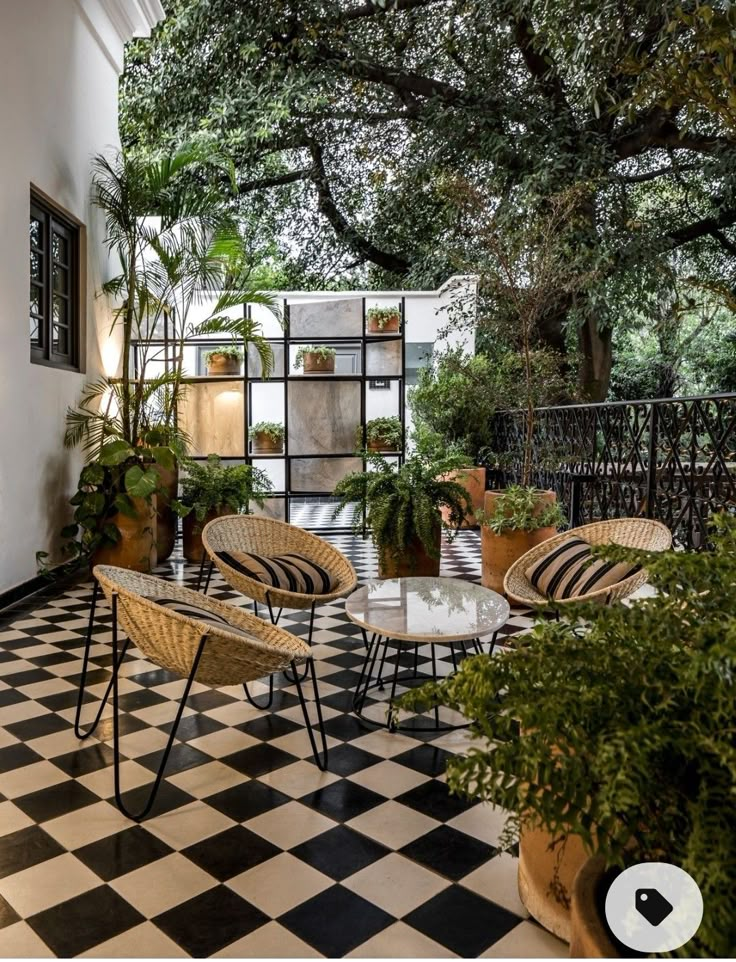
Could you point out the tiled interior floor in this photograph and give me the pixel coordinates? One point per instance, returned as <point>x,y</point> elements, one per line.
<point>251,851</point>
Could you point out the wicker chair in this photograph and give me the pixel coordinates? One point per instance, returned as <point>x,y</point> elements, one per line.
<point>630,532</point>
<point>208,653</point>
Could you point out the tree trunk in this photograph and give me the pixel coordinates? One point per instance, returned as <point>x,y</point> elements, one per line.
<point>596,349</point>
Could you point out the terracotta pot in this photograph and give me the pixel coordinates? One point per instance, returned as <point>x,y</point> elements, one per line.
<point>546,877</point>
<point>319,364</point>
<point>264,444</point>
<point>137,546</point>
<point>589,935</point>
<point>416,563</point>
<point>223,364</point>
<point>390,327</point>
<point>500,551</point>
<point>381,444</point>
<point>166,519</point>
<point>192,533</point>
<point>474,481</point>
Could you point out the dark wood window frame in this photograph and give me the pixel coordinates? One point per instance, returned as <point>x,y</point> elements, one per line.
<point>56,285</point>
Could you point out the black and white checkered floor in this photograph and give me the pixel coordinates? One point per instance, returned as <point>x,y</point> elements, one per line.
<point>252,851</point>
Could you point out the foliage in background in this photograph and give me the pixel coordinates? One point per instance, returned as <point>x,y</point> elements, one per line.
<point>616,724</point>
<point>321,350</point>
<point>212,486</point>
<point>402,504</point>
<point>519,509</point>
<point>346,123</point>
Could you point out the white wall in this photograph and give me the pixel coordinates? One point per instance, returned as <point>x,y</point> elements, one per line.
<point>58,107</point>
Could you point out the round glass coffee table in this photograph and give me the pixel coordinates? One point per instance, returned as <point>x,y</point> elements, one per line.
<point>403,620</point>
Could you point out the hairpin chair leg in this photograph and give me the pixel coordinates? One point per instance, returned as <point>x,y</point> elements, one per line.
<point>80,732</point>
<point>309,641</point>
<point>252,700</point>
<point>209,576</point>
<point>116,727</point>
<point>320,759</point>
<point>201,569</point>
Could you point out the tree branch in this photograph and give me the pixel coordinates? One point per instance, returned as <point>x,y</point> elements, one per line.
<point>539,66</point>
<point>262,183</point>
<point>344,230</point>
<point>371,9</point>
<point>701,228</point>
<point>658,172</point>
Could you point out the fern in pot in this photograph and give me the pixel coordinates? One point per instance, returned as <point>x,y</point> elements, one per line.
<point>402,507</point>
<point>615,736</point>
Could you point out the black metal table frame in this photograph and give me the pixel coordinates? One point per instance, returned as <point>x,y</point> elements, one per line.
<point>366,681</point>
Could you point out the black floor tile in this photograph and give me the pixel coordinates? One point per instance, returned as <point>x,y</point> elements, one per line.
<point>37,727</point>
<point>144,698</point>
<point>346,759</point>
<point>207,700</point>
<point>269,726</point>
<point>344,727</point>
<point>259,759</point>
<point>343,800</point>
<point>11,697</point>
<point>209,922</point>
<point>84,921</point>
<point>17,756</point>
<point>57,800</point>
<point>426,759</point>
<point>434,799</point>
<point>86,760</point>
<point>243,802</point>
<point>26,847</point>
<point>336,921</point>
<point>168,798</point>
<point>193,726</point>
<point>8,915</point>
<point>340,852</point>
<point>31,677</point>
<point>181,758</point>
<point>462,921</point>
<point>231,852</point>
<point>122,853</point>
<point>451,853</point>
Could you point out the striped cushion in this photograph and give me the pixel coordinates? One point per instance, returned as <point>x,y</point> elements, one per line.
<point>290,572</point>
<point>569,571</point>
<point>202,615</point>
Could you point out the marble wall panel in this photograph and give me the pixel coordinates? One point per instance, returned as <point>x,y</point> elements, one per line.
<point>323,416</point>
<point>320,475</point>
<point>335,318</point>
<point>212,413</point>
<point>254,361</point>
<point>383,358</point>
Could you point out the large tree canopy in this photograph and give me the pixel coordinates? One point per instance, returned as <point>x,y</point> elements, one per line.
<point>353,125</point>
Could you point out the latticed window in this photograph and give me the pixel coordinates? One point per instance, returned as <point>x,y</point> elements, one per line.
<point>54,286</point>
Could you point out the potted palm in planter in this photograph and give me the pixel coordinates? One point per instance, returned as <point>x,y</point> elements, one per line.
<point>267,437</point>
<point>223,360</point>
<point>381,434</point>
<point>211,490</point>
<point>402,507</point>
<point>384,320</point>
<point>315,359</point>
<point>615,731</point>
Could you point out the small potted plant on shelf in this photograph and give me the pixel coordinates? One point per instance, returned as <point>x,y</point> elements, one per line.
<point>315,359</point>
<point>223,360</point>
<point>384,320</point>
<point>267,437</point>
<point>402,509</point>
<point>210,490</point>
<point>381,434</point>
<point>614,737</point>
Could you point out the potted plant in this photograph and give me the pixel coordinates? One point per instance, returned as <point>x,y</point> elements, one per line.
<point>615,730</point>
<point>381,434</point>
<point>210,490</point>
<point>223,360</point>
<point>453,404</point>
<point>384,320</point>
<point>402,509</point>
<point>315,359</point>
<point>514,520</point>
<point>267,437</point>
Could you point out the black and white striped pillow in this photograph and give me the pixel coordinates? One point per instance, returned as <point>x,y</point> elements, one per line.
<point>569,571</point>
<point>203,615</point>
<point>290,572</point>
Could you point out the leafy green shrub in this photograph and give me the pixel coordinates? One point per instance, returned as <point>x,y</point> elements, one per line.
<point>403,503</point>
<point>272,429</point>
<point>517,509</point>
<point>320,350</point>
<point>389,430</point>
<point>209,487</point>
<point>616,724</point>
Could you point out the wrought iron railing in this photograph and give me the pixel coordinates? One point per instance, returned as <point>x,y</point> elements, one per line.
<point>673,460</point>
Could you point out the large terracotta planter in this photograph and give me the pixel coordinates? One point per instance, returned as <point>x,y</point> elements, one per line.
<point>589,935</point>
<point>318,364</point>
<point>136,548</point>
<point>264,444</point>
<point>219,364</point>
<point>474,481</point>
<point>416,563</point>
<point>500,551</point>
<point>192,533</point>
<point>166,518</point>
<point>381,444</point>
<point>546,877</point>
<point>390,327</point>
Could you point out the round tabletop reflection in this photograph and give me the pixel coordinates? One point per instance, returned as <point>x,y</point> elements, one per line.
<point>427,609</point>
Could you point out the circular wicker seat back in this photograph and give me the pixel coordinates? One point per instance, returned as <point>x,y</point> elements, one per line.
<point>170,639</point>
<point>269,537</point>
<point>641,533</point>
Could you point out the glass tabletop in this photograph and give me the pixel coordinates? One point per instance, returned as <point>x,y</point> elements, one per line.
<point>427,609</point>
